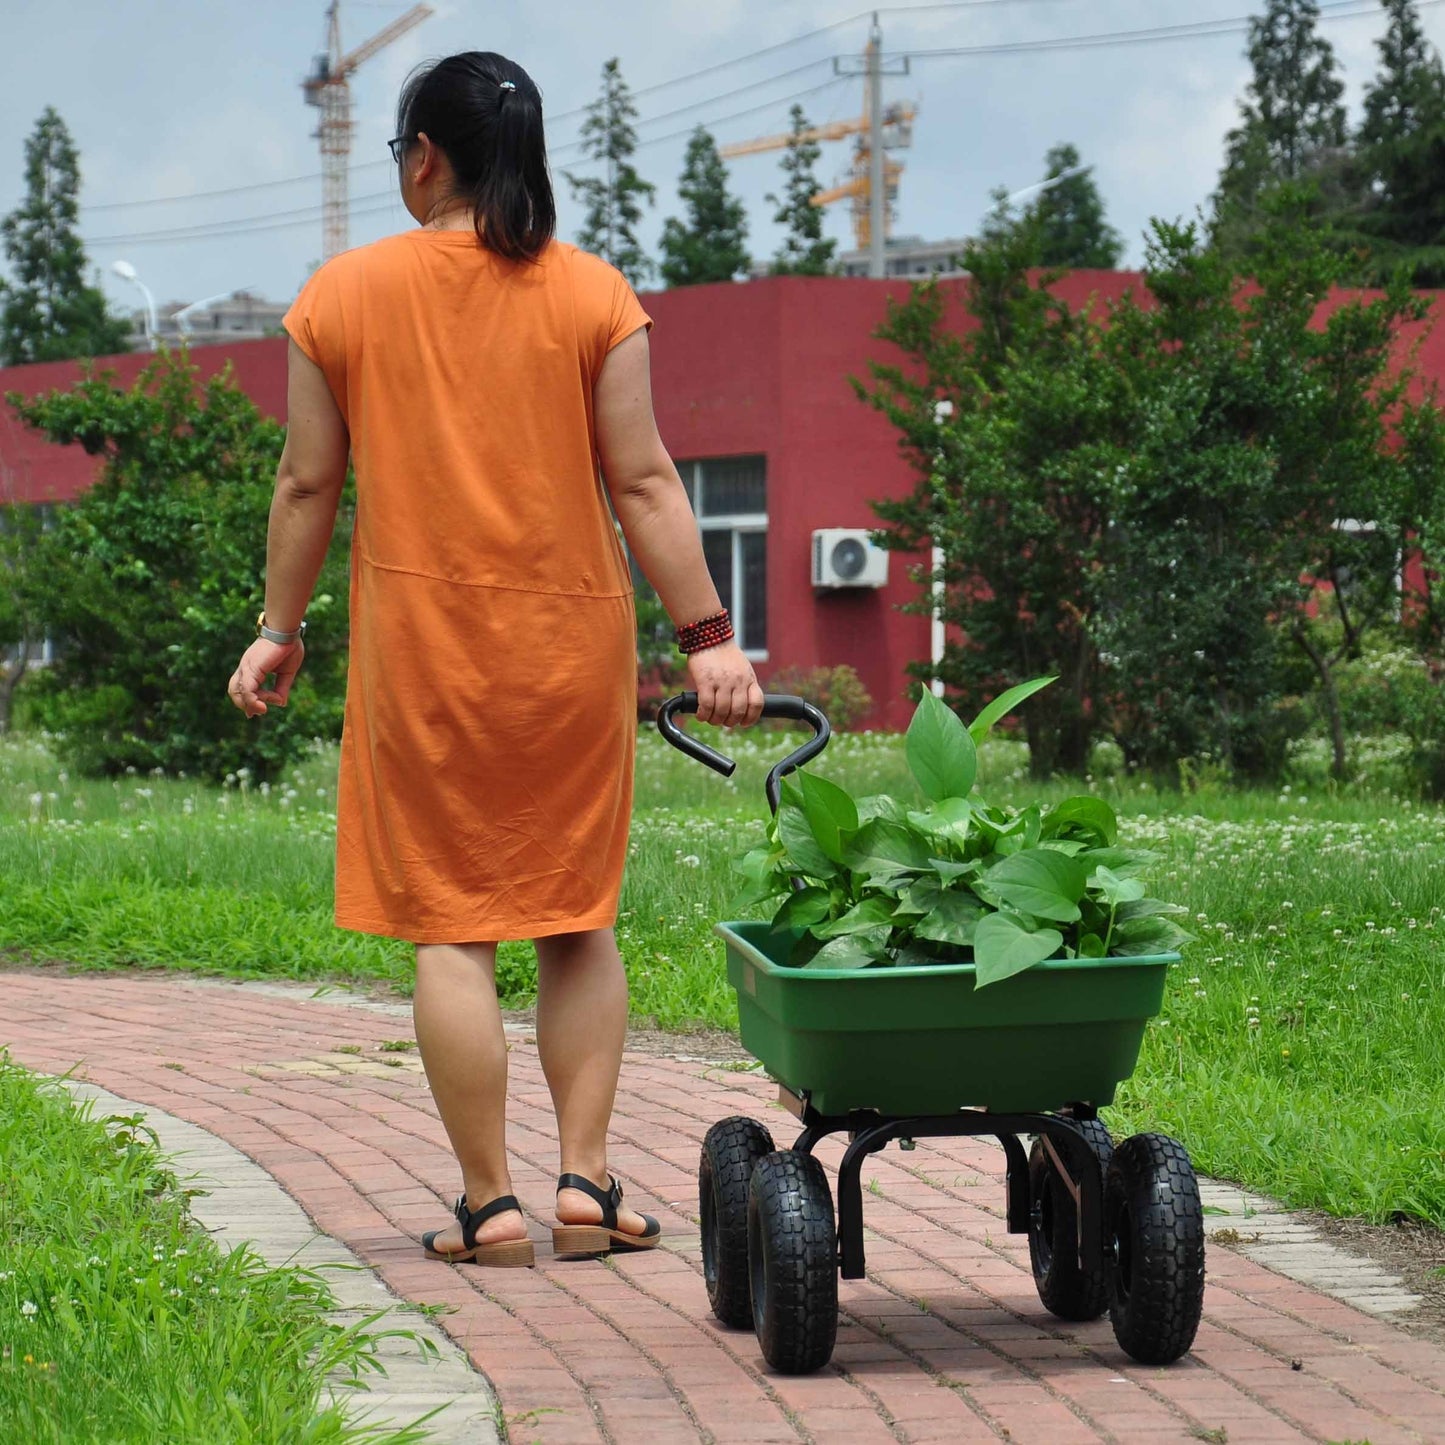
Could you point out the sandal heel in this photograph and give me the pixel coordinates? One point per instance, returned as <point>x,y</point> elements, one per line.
<point>506,1254</point>
<point>580,1239</point>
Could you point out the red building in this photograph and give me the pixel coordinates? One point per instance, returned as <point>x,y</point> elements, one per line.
<point>753,400</point>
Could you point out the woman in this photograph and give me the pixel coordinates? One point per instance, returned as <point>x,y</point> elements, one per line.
<point>477,371</point>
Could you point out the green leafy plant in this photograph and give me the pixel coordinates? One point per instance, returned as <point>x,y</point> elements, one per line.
<point>881,883</point>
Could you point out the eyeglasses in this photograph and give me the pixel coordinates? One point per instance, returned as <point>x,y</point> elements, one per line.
<point>397,146</point>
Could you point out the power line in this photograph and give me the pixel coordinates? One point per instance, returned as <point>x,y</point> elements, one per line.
<point>1191,30</point>
<point>1331,10</point>
<point>660,85</point>
<point>310,215</point>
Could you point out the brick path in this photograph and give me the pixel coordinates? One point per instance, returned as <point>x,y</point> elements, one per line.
<point>944,1342</point>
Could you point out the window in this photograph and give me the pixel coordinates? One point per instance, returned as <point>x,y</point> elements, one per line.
<point>729,497</point>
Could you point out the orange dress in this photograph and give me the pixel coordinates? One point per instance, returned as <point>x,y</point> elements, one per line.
<point>487,754</point>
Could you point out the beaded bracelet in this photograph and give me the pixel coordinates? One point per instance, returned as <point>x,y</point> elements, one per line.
<point>710,632</point>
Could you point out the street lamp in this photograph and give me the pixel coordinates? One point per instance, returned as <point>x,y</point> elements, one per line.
<point>182,318</point>
<point>942,410</point>
<point>1047,185</point>
<point>127,272</point>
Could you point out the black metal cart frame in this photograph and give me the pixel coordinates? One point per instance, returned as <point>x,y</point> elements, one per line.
<point>868,1133</point>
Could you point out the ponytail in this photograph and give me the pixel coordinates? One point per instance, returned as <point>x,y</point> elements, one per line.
<point>485,113</point>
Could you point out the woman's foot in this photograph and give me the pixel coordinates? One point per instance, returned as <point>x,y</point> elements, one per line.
<point>575,1207</point>
<point>594,1221</point>
<point>488,1235</point>
<point>500,1229</point>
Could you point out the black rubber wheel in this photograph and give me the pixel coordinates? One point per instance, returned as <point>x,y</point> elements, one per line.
<point>1154,1233</point>
<point>793,1262</point>
<point>1065,1287</point>
<point>729,1151</point>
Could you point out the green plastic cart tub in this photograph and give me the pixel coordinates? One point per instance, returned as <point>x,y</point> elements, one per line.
<point>910,1041</point>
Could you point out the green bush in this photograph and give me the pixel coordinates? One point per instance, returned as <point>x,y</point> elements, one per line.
<point>837,691</point>
<point>151,580</point>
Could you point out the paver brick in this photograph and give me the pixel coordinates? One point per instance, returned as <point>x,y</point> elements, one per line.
<point>586,1351</point>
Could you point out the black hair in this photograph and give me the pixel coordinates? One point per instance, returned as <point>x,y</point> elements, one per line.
<point>485,113</point>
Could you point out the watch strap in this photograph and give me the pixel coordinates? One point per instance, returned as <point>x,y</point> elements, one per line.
<point>283,639</point>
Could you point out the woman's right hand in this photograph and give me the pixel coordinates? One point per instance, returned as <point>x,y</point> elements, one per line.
<point>727,689</point>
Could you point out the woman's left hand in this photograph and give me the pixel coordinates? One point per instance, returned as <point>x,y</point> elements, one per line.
<point>247,688</point>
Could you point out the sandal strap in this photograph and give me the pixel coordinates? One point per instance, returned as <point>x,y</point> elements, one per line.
<point>608,1199</point>
<point>471,1221</point>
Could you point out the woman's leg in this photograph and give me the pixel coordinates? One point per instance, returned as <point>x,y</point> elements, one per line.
<point>581,1028</point>
<point>464,1051</point>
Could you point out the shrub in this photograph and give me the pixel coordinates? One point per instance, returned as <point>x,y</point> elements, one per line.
<point>151,580</point>
<point>837,691</point>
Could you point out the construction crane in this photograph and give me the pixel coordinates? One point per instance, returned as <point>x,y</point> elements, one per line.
<point>328,88</point>
<point>892,131</point>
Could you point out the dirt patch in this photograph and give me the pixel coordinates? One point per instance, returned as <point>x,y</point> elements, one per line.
<point>1415,1251</point>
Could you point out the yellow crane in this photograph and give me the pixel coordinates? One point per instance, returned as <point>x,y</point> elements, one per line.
<point>895,132</point>
<point>328,88</point>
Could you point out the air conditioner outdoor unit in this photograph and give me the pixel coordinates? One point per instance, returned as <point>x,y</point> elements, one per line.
<point>846,557</point>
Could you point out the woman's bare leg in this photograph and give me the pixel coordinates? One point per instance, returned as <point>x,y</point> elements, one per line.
<point>464,1051</point>
<point>581,1028</point>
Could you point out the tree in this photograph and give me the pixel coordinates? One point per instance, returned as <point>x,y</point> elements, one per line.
<point>150,580</point>
<point>1147,501</point>
<point>1401,156</point>
<point>21,528</point>
<point>614,203</point>
<point>1070,218</point>
<point>1407,95</point>
<point>1012,487</point>
<point>47,311</point>
<point>804,252</point>
<point>1292,119</point>
<point>711,244</point>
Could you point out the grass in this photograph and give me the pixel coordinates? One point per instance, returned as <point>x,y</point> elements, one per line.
<point>1302,1051</point>
<point>123,1323</point>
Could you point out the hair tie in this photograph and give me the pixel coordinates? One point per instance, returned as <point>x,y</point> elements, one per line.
<point>506,85</point>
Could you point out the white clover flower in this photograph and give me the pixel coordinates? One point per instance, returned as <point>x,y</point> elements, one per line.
<point>93,1260</point>
<point>29,1308</point>
<point>691,861</point>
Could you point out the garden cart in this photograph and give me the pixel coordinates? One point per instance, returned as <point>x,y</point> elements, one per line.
<point>897,1054</point>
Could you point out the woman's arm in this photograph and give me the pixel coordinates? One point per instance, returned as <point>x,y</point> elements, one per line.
<point>661,531</point>
<point>309,480</point>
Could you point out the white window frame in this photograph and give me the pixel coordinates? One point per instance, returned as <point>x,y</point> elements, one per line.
<point>1355,527</point>
<point>734,523</point>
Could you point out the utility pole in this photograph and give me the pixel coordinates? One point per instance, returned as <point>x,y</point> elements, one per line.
<point>877,264</point>
<point>869,186</point>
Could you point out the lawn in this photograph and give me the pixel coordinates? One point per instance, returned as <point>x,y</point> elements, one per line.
<point>123,1323</point>
<point>1302,1051</point>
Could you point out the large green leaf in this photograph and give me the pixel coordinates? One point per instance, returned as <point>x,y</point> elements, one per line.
<point>1004,704</point>
<point>1116,890</point>
<point>1148,935</point>
<point>921,897</point>
<point>1093,815</point>
<point>1040,882</point>
<point>830,812</point>
<point>948,818</point>
<point>796,835</point>
<point>866,914</point>
<point>1123,862</point>
<point>801,909</point>
<point>1148,908</point>
<point>881,847</point>
<point>881,806</point>
<point>852,950</point>
<point>1001,948</point>
<point>941,755</point>
<point>952,920</point>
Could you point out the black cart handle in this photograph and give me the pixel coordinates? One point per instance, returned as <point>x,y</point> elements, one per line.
<point>775,704</point>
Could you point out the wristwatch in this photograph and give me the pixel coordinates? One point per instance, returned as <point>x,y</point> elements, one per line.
<point>271,635</point>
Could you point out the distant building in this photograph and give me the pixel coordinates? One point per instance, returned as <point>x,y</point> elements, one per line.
<point>909,256</point>
<point>238,317</point>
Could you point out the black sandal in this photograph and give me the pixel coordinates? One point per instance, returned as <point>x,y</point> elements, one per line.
<point>593,1239</point>
<point>513,1253</point>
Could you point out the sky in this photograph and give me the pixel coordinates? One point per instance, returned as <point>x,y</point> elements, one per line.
<point>171,98</point>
